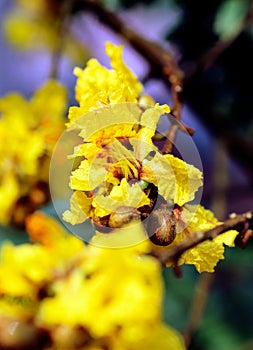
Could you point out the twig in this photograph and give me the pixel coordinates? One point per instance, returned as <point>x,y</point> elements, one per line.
<point>62,23</point>
<point>198,305</point>
<point>243,223</point>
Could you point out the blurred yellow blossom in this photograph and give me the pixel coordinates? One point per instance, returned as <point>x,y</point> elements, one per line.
<point>28,133</point>
<point>62,286</point>
<point>39,24</point>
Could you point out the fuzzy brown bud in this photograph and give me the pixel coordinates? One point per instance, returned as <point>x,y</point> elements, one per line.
<point>161,226</point>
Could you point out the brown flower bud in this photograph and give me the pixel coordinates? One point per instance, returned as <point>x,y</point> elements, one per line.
<point>161,225</point>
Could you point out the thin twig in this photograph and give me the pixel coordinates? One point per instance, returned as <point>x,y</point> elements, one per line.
<point>62,23</point>
<point>243,223</point>
<point>198,305</point>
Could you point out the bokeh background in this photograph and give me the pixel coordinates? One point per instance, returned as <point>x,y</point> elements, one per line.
<point>214,47</point>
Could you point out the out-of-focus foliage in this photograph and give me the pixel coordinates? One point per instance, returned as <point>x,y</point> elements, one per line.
<point>229,18</point>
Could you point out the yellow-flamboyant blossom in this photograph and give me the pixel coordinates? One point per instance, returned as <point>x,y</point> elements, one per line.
<point>73,291</point>
<point>41,25</point>
<point>28,133</point>
<point>121,175</point>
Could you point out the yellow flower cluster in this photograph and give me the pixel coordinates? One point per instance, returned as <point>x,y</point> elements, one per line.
<point>122,176</point>
<point>28,133</point>
<point>81,296</point>
<point>39,24</point>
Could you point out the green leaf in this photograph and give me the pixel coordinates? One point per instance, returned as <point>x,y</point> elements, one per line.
<point>230,17</point>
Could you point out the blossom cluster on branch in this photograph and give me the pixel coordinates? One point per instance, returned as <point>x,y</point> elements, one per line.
<point>59,292</point>
<point>122,176</point>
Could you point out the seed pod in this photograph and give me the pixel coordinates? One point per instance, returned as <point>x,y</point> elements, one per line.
<point>161,226</point>
<point>123,215</point>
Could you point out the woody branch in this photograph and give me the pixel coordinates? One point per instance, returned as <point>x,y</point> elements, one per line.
<point>243,223</point>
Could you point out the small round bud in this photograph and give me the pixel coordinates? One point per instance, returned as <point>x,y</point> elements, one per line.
<point>161,226</point>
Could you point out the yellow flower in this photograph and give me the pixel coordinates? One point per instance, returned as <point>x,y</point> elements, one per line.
<point>40,26</point>
<point>28,133</point>
<point>98,86</point>
<point>122,175</point>
<point>64,285</point>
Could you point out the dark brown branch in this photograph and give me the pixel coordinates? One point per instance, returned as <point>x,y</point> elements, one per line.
<point>243,223</point>
<point>199,301</point>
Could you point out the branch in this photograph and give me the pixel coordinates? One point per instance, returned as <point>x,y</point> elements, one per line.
<point>243,223</point>
<point>197,309</point>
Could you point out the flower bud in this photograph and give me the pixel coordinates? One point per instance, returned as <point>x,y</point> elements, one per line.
<point>161,225</point>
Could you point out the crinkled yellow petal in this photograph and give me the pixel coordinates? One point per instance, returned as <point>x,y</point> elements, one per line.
<point>80,206</point>
<point>132,85</point>
<point>112,179</point>
<point>86,178</point>
<point>164,108</point>
<point>148,122</point>
<point>205,256</point>
<point>121,195</point>
<point>119,117</point>
<point>227,238</point>
<point>92,84</point>
<point>198,218</point>
<point>98,86</point>
<point>160,172</point>
<point>87,150</point>
<point>188,179</point>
